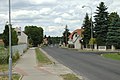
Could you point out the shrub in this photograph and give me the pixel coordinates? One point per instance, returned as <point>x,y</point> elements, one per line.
<point>70,45</point>
<point>16,57</point>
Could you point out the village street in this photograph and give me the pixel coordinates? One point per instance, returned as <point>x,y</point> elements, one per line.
<point>90,66</point>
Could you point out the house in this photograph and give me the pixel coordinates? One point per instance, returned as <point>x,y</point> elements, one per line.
<point>22,37</point>
<point>45,41</point>
<point>75,39</point>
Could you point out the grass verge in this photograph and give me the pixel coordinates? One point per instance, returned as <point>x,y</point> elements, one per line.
<point>3,67</point>
<point>41,57</point>
<point>69,77</point>
<point>114,56</point>
<point>14,77</point>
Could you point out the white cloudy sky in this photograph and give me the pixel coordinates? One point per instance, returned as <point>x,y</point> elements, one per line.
<point>52,15</point>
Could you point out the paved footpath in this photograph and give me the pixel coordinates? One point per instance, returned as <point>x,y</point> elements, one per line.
<point>27,67</point>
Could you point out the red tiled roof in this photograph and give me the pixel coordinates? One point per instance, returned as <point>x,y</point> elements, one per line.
<point>78,31</point>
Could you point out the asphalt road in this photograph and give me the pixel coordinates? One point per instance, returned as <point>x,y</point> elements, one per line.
<point>90,66</point>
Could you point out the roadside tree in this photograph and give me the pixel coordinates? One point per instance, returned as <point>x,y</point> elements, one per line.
<point>113,34</point>
<point>35,34</point>
<point>14,38</point>
<point>87,28</point>
<point>101,24</point>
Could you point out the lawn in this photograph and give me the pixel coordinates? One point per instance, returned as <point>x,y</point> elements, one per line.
<point>114,56</point>
<point>41,57</point>
<point>70,77</point>
<point>3,67</point>
<point>3,59</point>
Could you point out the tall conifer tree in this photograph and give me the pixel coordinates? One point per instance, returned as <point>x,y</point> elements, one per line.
<point>87,28</point>
<point>101,24</point>
<point>113,34</point>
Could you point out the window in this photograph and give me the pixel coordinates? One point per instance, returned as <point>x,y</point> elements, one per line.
<point>19,33</point>
<point>75,35</point>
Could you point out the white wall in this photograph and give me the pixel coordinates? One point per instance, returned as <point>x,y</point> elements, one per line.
<point>23,38</point>
<point>20,48</point>
<point>76,41</point>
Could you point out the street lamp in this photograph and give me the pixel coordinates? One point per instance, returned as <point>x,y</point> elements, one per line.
<point>91,22</point>
<point>10,48</point>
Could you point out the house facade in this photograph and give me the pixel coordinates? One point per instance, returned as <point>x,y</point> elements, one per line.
<point>22,37</point>
<point>74,39</point>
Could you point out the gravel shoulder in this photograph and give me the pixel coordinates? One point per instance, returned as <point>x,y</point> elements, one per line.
<point>57,68</point>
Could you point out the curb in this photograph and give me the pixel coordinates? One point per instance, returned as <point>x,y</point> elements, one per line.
<point>21,77</point>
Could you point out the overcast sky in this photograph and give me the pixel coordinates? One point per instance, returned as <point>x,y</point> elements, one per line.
<point>51,15</point>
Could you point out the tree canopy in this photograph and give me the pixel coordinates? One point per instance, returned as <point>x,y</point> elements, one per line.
<point>35,34</point>
<point>14,38</point>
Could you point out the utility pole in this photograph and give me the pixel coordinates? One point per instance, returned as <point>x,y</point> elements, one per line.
<point>66,34</point>
<point>10,47</point>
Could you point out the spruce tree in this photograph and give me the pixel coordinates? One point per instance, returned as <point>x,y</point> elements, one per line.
<point>101,24</point>
<point>87,30</point>
<point>113,34</point>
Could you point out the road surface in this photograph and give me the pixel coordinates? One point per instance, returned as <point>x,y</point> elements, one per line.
<point>90,66</point>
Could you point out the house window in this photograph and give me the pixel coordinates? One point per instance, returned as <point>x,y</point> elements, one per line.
<point>76,35</point>
<point>19,33</point>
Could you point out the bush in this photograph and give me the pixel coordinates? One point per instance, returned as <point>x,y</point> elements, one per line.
<point>70,45</point>
<point>119,53</point>
<point>16,57</point>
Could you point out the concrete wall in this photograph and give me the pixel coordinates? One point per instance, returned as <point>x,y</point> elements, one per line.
<point>20,48</point>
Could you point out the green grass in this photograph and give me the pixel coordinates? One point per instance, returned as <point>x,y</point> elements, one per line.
<point>3,67</point>
<point>69,77</point>
<point>42,58</point>
<point>114,56</point>
<point>3,63</point>
<point>14,77</point>
<point>4,59</point>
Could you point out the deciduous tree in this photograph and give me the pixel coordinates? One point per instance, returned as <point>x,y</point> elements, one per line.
<point>35,34</point>
<point>14,38</point>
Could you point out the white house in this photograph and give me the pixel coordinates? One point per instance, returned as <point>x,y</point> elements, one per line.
<point>22,37</point>
<point>75,38</point>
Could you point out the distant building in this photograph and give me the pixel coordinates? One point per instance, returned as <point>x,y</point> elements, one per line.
<point>75,37</point>
<point>45,41</point>
<point>22,37</point>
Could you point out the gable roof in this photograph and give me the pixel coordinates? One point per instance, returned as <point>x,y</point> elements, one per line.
<point>78,31</point>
